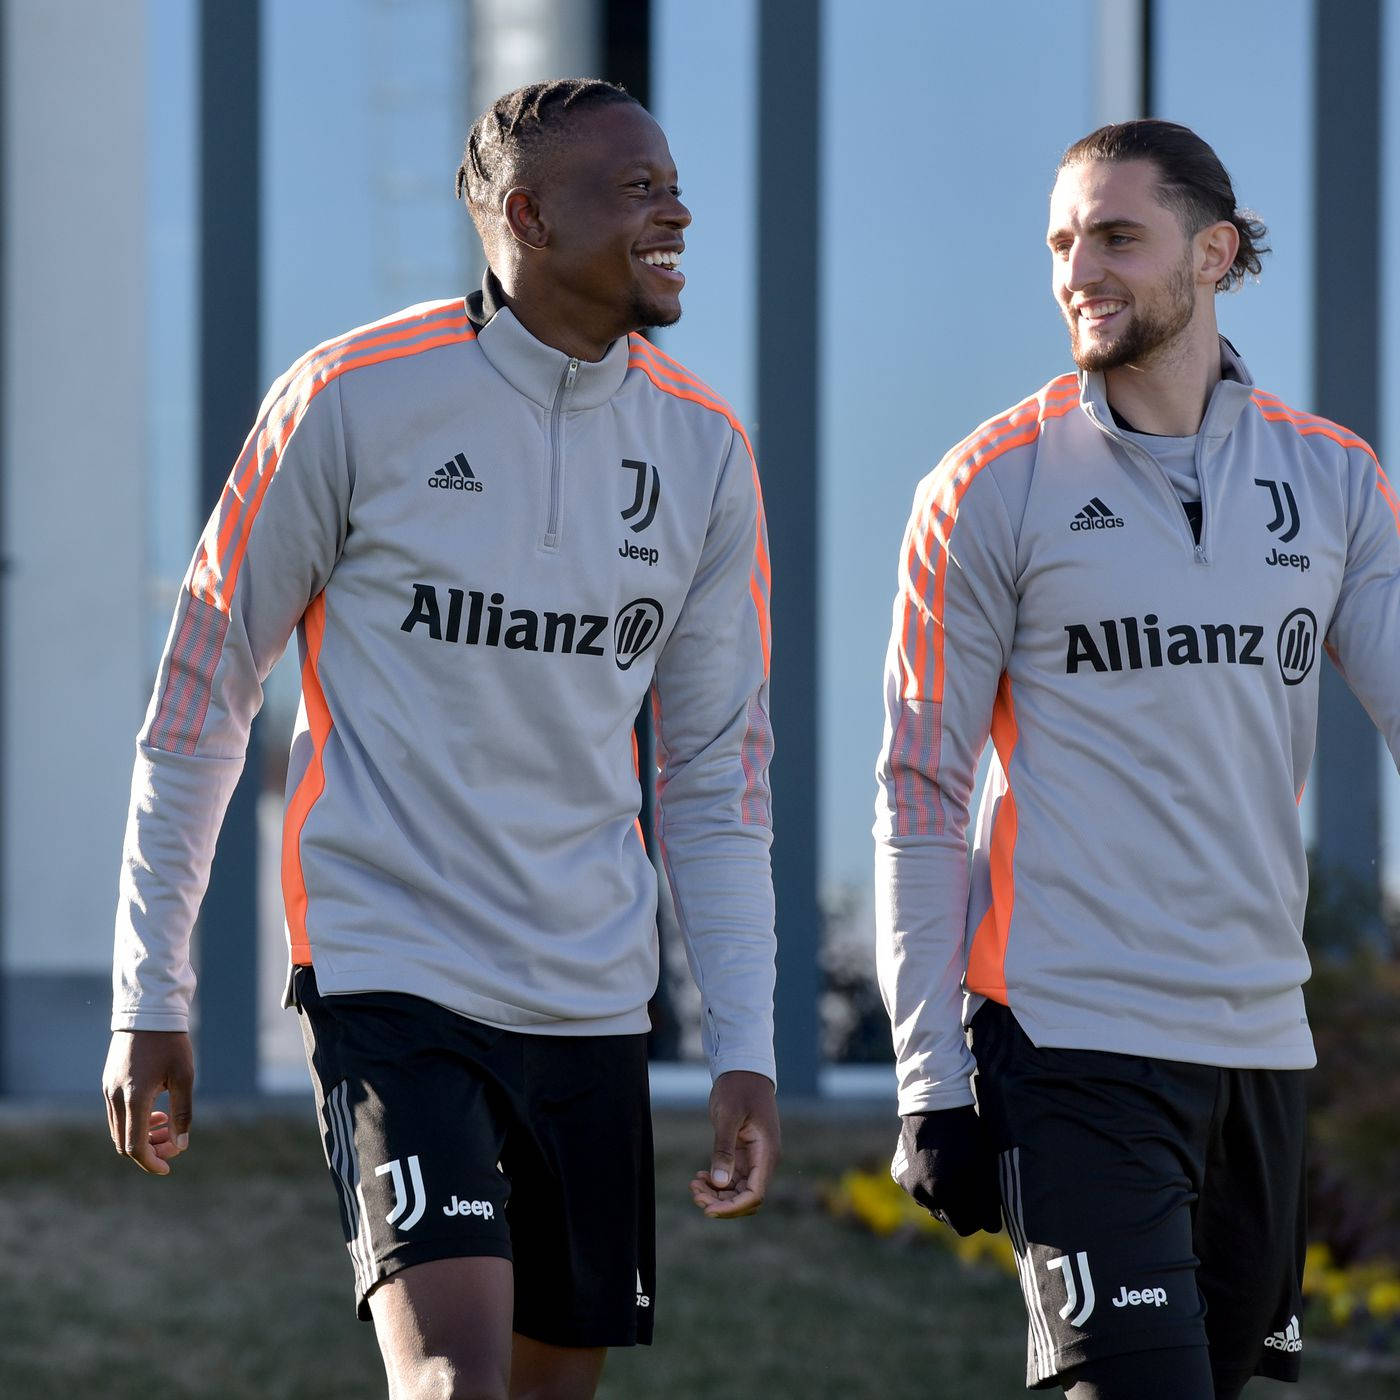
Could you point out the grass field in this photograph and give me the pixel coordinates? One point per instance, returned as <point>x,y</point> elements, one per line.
<point>229,1280</point>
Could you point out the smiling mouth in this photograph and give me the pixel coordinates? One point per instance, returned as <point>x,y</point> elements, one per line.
<point>1096,313</point>
<point>666,263</point>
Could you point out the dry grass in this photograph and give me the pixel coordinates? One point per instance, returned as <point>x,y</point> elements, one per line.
<point>228,1280</point>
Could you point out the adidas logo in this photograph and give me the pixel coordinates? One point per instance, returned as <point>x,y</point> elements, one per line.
<point>455,475</point>
<point>1290,1339</point>
<point>1095,516</point>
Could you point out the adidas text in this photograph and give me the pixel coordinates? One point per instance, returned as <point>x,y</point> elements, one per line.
<point>1290,1339</point>
<point>1130,644</point>
<point>485,1209</point>
<point>1095,516</point>
<point>1136,1297</point>
<point>456,475</point>
<point>632,551</point>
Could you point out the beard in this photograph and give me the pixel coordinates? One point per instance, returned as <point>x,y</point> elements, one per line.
<point>646,314</point>
<point>1148,330</point>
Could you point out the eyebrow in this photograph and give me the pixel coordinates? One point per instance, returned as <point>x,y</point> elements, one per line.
<point>1098,226</point>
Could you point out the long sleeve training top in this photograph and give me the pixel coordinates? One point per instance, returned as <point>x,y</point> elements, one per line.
<point>1138,876</point>
<point>491,554</point>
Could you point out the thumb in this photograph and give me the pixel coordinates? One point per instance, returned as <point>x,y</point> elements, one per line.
<point>722,1154</point>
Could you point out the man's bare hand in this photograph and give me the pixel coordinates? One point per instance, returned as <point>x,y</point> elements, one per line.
<point>748,1142</point>
<point>139,1065</point>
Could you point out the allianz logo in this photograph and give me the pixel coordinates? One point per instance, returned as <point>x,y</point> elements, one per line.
<point>1135,644</point>
<point>472,617</point>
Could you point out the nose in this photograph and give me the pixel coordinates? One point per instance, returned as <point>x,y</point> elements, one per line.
<point>1080,266</point>
<point>674,214</point>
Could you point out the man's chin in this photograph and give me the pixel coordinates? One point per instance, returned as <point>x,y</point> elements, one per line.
<point>1095,358</point>
<point>652,315</point>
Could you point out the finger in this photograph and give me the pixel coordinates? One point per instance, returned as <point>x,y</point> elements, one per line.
<point>730,1205</point>
<point>722,1153</point>
<point>115,1127</point>
<point>181,1086</point>
<point>136,1138</point>
<point>762,1160</point>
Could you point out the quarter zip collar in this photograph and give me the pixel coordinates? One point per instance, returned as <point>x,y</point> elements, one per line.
<point>1227,399</point>
<point>535,369</point>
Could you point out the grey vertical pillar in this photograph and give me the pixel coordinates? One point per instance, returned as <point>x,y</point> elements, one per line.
<point>4,480</point>
<point>514,42</point>
<point>229,391</point>
<point>1346,349</point>
<point>1122,60</point>
<point>788,212</point>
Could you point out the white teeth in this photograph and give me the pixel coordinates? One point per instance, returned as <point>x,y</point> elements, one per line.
<point>662,259</point>
<point>1100,310</point>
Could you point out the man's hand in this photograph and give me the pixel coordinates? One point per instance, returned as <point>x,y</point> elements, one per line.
<point>944,1161</point>
<point>139,1065</point>
<point>748,1142</point>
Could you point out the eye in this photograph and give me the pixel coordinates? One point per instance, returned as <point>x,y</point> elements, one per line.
<point>1119,240</point>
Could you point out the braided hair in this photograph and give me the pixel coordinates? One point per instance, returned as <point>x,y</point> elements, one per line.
<point>509,139</point>
<point>1193,182</point>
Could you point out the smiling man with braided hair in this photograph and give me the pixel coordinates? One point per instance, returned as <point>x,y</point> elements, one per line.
<point>498,525</point>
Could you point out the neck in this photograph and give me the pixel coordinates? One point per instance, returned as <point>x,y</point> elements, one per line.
<point>552,319</point>
<point>1167,392</point>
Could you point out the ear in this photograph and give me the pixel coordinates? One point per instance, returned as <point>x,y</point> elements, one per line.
<point>1216,246</point>
<point>524,219</point>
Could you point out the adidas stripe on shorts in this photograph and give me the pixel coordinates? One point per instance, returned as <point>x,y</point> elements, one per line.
<point>1151,1203</point>
<point>447,1139</point>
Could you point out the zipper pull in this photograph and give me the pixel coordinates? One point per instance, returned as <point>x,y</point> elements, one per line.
<point>1200,555</point>
<point>571,375</point>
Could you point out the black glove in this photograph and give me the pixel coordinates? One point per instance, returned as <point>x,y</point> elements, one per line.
<point>944,1161</point>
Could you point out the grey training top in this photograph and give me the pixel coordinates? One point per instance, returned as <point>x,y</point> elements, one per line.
<point>491,555</point>
<point>1138,874</point>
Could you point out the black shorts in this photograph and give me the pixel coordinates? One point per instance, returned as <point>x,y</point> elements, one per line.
<point>446,1138</point>
<point>1151,1203</point>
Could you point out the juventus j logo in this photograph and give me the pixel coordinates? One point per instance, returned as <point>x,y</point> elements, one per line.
<point>646,475</point>
<point>1285,508</point>
<point>1085,1284</point>
<point>401,1196</point>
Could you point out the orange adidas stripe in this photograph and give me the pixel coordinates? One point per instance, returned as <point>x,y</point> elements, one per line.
<point>217,585</point>
<point>986,963</point>
<point>644,358</point>
<point>1273,410</point>
<point>923,615</point>
<point>447,314</point>
<point>309,789</point>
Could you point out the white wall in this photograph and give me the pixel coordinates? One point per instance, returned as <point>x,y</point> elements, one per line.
<point>74,672</point>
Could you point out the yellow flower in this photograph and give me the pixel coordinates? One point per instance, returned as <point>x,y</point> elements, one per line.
<point>1383,1299</point>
